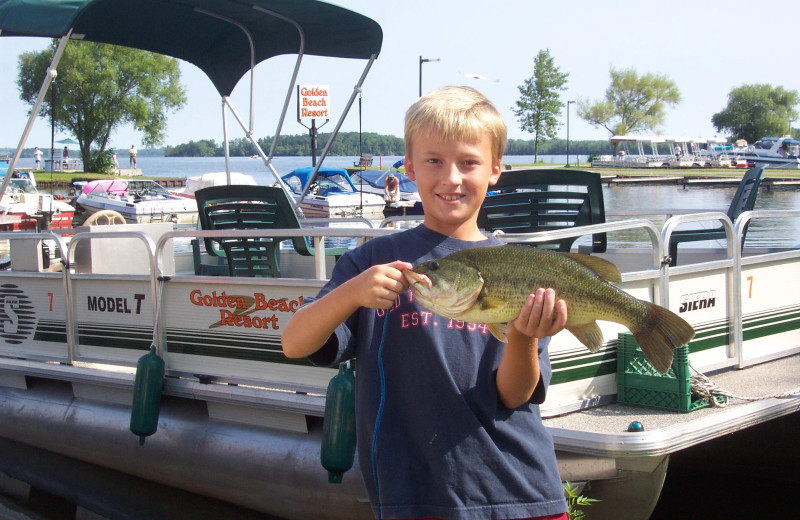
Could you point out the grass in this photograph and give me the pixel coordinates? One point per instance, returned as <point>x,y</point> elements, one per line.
<point>65,178</point>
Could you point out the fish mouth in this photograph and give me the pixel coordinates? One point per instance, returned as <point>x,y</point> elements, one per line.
<point>417,278</point>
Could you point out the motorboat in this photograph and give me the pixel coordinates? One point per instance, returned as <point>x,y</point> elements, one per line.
<point>773,152</point>
<point>231,419</point>
<point>138,201</point>
<point>331,193</point>
<point>199,182</point>
<point>24,207</point>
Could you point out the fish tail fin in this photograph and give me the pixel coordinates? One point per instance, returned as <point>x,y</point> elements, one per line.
<point>660,334</point>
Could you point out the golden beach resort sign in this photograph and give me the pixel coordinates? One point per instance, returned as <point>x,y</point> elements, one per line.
<point>313,102</point>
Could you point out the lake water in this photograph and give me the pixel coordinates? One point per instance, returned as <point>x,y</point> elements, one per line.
<point>191,166</point>
<point>784,232</point>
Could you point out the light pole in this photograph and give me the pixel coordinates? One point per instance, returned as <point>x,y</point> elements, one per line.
<point>421,61</point>
<point>568,104</point>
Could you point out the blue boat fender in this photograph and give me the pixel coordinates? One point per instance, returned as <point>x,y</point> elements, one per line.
<point>339,427</point>
<point>147,394</point>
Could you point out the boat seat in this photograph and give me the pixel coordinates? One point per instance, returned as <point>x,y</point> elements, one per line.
<point>527,201</point>
<point>247,207</point>
<point>743,200</point>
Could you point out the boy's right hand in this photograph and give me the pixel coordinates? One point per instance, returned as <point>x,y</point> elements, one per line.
<point>379,286</point>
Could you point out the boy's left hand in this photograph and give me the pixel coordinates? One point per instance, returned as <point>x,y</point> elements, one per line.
<point>541,315</point>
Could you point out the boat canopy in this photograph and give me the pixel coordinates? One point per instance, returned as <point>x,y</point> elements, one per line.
<point>224,38</point>
<point>214,35</point>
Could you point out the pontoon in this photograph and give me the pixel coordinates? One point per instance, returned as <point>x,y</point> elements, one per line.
<point>240,423</point>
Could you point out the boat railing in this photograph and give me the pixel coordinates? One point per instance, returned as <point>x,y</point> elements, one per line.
<point>747,268</point>
<point>317,234</point>
<point>652,231</point>
<point>390,222</point>
<point>88,309</point>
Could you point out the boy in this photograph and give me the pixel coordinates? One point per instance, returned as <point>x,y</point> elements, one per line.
<point>458,436</point>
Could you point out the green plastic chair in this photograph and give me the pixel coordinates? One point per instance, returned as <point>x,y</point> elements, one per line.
<point>247,207</point>
<point>743,200</point>
<point>527,201</point>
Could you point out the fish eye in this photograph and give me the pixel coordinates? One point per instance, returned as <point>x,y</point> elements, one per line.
<point>434,266</point>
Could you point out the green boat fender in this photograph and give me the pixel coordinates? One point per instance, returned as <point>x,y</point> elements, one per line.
<point>339,427</point>
<point>147,394</point>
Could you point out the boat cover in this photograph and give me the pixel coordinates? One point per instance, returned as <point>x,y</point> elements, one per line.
<point>206,33</point>
<point>304,175</point>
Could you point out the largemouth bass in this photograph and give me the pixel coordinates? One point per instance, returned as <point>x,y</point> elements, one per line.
<point>489,285</point>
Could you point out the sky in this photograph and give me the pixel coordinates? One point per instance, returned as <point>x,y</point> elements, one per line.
<point>706,48</point>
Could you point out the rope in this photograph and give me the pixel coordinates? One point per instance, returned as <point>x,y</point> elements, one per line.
<point>379,415</point>
<point>704,387</point>
<point>161,280</point>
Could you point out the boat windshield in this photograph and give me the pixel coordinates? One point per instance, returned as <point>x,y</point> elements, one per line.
<point>323,184</point>
<point>21,185</point>
<point>335,180</point>
<point>764,144</point>
<point>148,189</point>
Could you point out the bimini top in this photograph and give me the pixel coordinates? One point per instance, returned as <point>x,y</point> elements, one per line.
<point>211,34</point>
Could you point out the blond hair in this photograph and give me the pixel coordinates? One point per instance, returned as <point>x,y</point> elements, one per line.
<point>456,114</point>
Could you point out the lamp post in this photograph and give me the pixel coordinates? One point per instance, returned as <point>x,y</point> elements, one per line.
<point>568,104</point>
<point>421,61</point>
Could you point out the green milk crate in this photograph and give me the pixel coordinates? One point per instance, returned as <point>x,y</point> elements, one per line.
<point>638,383</point>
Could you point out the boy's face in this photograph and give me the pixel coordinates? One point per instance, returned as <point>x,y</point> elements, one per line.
<point>452,179</point>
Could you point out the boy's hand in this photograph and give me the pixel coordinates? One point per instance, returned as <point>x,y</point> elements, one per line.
<point>541,315</point>
<point>379,286</point>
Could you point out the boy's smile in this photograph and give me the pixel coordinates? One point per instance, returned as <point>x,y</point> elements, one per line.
<point>452,179</point>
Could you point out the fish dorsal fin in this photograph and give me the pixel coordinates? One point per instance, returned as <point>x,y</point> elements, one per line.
<point>604,269</point>
<point>499,331</point>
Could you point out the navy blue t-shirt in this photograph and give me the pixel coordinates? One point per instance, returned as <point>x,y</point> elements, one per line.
<point>446,446</point>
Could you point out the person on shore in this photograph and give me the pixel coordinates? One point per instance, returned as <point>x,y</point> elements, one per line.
<point>37,155</point>
<point>65,159</point>
<point>460,435</point>
<point>114,159</point>
<point>391,189</point>
<point>132,153</point>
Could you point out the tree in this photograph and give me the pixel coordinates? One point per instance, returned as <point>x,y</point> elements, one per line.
<point>539,104</point>
<point>755,111</point>
<point>632,103</point>
<point>100,87</point>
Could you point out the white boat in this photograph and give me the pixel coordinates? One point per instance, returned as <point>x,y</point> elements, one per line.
<point>773,152</point>
<point>237,421</point>
<point>330,192</point>
<point>138,201</point>
<point>199,182</point>
<point>636,151</point>
<point>24,207</point>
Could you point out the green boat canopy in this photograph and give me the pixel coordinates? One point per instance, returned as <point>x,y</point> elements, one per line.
<point>211,34</point>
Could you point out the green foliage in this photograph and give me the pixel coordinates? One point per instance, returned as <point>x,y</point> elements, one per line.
<point>539,105</point>
<point>346,143</point>
<point>632,103</point>
<point>101,87</point>
<point>756,111</point>
<point>202,148</point>
<point>576,500</point>
<point>100,162</point>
